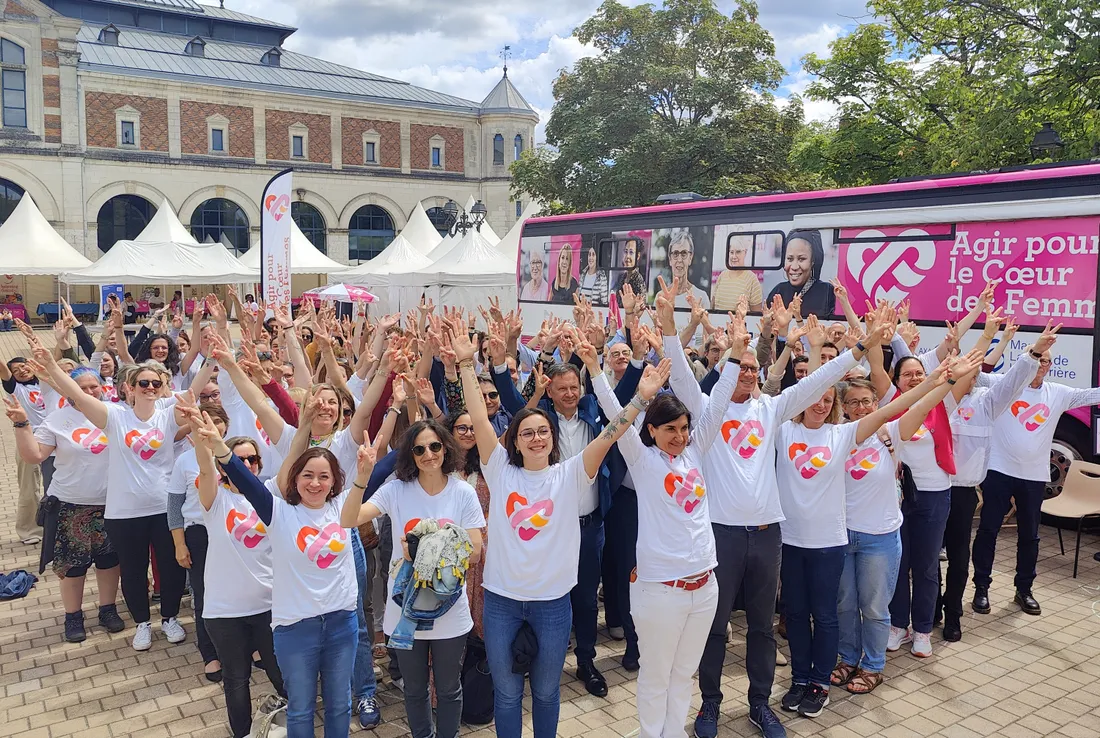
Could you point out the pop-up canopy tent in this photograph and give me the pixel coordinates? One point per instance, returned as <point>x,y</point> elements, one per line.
<point>420,232</point>
<point>509,245</point>
<point>30,246</point>
<point>305,258</point>
<point>164,253</point>
<point>470,272</point>
<point>376,275</point>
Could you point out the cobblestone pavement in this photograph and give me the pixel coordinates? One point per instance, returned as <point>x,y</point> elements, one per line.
<point>1012,675</point>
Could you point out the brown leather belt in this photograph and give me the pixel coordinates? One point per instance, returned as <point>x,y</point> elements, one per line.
<point>688,585</point>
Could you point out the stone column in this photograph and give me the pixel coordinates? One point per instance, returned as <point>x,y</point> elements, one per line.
<point>259,132</point>
<point>337,242</point>
<point>337,141</point>
<point>406,147</point>
<point>175,144</point>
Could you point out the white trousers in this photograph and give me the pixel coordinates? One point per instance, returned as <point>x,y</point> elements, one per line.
<point>672,630</point>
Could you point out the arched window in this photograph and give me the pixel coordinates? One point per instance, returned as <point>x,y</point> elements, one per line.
<point>13,85</point>
<point>311,223</point>
<point>498,149</point>
<point>370,231</point>
<point>518,145</point>
<point>440,220</point>
<point>122,217</point>
<point>222,221</point>
<point>10,193</point>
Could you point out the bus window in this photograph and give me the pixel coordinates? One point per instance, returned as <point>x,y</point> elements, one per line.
<point>623,256</point>
<point>755,250</point>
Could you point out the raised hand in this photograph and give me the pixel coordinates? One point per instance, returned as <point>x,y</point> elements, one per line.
<point>426,306</point>
<point>653,379</point>
<point>588,354</point>
<point>1047,338</point>
<point>425,391</point>
<point>494,309</point>
<point>839,291</point>
<point>207,434</point>
<point>986,297</point>
<point>796,306</point>
<point>366,456</point>
<point>815,333</point>
<point>742,306</point>
<point>400,394</point>
<point>666,302</point>
<point>738,334</point>
<point>628,298</point>
<point>464,349</point>
<point>542,382</point>
<point>781,314</point>
<point>1010,329</point>
<point>14,411</point>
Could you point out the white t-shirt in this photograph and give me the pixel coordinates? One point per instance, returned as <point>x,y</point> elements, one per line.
<point>182,381</point>
<point>80,474</point>
<point>185,481</point>
<point>140,459</point>
<point>238,561</point>
<point>339,443</point>
<point>314,572</point>
<point>33,400</point>
<point>810,465</point>
<point>407,503</point>
<point>870,484</point>
<point>243,422</point>
<point>919,454</point>
<point>535,527</point>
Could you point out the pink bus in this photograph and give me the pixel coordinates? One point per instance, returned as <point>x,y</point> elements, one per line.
<point>932,240</point>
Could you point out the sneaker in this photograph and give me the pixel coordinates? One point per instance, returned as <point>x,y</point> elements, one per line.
<point>143,637</point>
<point>706,722</point>
<point>369,716</point>
<point>922,645</point>
<point>794,697</point>
<point>616,633</point>
<point>110,620</point>
<point>815,701</point>
<point>74,627</point>
<point>173,631</point>
<point>898,638</point>
<point>765,720</point>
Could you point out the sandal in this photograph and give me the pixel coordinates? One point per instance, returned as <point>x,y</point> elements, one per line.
<point>864,682</point>
<point>842,674</point>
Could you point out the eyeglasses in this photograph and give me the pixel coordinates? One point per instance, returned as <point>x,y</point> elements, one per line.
<point>680,254</point>
<point>865,402</point>
<point>348,412</point>
<point>251,459</point>
<point>435,447</point>
<point>464,430</point>
<point>529,434</point>
<point>749,369</point>
<point>263,355</point>
<point>215,395</point>
<point>491,395</point>
<point>147,383</point>
<point>1044,362</point>
<point>620,354</point>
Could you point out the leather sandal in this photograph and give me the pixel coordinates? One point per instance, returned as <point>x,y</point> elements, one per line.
<point>864,682</point>
<point>842,674</point>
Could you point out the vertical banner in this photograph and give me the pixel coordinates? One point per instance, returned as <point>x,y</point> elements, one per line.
<point>109,289</point>
<point>275,241</point>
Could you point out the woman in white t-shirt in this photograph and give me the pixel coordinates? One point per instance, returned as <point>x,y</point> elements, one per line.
<point>140,456</point>
<point>534,522</point>
<point>424,488</point>
<point>80,483</point>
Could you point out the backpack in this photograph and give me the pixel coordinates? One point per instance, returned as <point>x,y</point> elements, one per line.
<point>477,684</point>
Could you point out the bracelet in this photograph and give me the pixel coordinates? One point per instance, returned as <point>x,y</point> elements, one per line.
<point>466,364</point>
<point>640,403</point>
<point>951,381</point>
<point>732,360</point>
<point>394,410</point>
<point>359,486</point>
<point>223,461</point>
<point>861,347</point>
<point>1037,357</point>
<point>21,424</point>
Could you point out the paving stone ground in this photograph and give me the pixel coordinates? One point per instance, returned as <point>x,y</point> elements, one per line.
<point>1012,675</point>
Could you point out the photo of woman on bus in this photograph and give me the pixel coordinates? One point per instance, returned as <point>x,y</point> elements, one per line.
<point>593,279</point>
<point>535,289</point>
<point>802,265</point>
<point>630,253</point>
<point>738,279</point>
<point>564,284</point>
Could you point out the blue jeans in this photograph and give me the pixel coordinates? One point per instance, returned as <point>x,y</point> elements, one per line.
<point>551,621</point>
<point>321,647</point>
<point>584,598</point>
<point>362,680</point>
<point>921,539</point>
<point>811,578</point>
<point>863,604</point>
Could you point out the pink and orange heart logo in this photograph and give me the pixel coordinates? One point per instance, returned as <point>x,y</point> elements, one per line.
<point>1031,417</point>
<point>809,460</point>
<point>966,413</point>
<point>921,433</point>
<point>528,520</point>
<point>277,205</point>
<point>744,438</point>
<point>36,399</point>
<point>324,546</point>
<point>416,521</point>
<point>860,462</point>
<point>263,435</point>
<point>146,444</point>
<point>687,491</point>
<point>93,439</point>
<point>888,269</point>
<point>248,529</point>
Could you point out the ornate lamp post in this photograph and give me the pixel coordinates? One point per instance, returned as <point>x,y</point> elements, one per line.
<point>461,220</point>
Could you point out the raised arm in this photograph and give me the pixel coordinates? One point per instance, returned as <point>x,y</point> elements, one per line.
<point>870,424</point>
<point>241,476</point>
<point>252,395</point>
<point>29,448</point>
<point>355,511</point>
<point>683,379</point>
<point>652,380</point>
<point>709,422</point>
<point>92,409</point>
<point>475,404</point>
<point>196,339</point>
<point>840,292</point>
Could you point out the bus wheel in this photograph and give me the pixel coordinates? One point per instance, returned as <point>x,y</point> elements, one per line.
<point>1062,454</point>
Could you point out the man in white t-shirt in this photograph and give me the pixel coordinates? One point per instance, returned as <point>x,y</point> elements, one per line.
<point>19,381</point>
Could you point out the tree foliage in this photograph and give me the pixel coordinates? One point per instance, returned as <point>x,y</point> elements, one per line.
<point>954,85</point>
<point>677,99</point>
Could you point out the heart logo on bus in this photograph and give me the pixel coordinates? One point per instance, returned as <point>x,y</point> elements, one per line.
<point>889,269</point>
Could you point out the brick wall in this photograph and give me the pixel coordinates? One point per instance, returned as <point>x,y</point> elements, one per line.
<point>15,9</point>
<point>454,156</point>
<point>193,129</point>
<point>278,123</point>
<point>389,148</point>
<point>49,52</point>
<point>100,110</point>
<point>53,128</point>
<point>51,91</point>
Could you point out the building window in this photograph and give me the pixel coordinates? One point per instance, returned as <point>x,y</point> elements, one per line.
<point>13,85</point>
<point>217,139</point>
<point>195,47</point>
<point>109,36</point>
<point>272,58</point>
<point>128,135</point>
<point>10,193</point>
<point>369,232</point>
<point>369,154</point>
<point>519,208</point>
<point>222,221</point>
<point>298,146</point>
<point>310,222</point>
<point>518,146</point>
<point>122,218</point>
<point>437,156</point>
<point>498,149</point>
<point>440,219</point>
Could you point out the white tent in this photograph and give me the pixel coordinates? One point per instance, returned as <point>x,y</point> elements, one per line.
<point>472,271</point>
<point>305,258</point>
<point>164,253</point>
<point>420,232</point>
<point>509,245</point>
<point>376,275</point>
<point>29,245</point>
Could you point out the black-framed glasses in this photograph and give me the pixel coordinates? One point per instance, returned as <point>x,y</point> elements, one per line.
<point>210,397</point>
<point>464,430</point>
<point>147,383</point>
<point>491,395</point>
<point>251,459</point>
<point>1044,362</point>
<point>529,435</point>
<point>864,402</point>
<point>435,447</point>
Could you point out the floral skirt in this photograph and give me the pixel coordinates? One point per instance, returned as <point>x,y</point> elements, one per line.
<point>81,540</point>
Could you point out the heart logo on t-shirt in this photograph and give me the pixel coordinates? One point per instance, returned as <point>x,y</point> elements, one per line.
<point>861,461</point>
<point>744,438</point>
<point>1031,417</point>
<point>35,398</point>
<point>966,413</point>
<point>92,439</point>
<point>921,433</point>
<point>416,521</point>
<point>324,546</point>
<point>146,444</point>
<point>263,435</point>
<point>248,529</point>
<point>809,460</point>
<point>528,520</point>
<point>688,491</point>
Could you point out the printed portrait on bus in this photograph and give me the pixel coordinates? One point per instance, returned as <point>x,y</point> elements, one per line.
<point>684,254</point>
<point>629,258</point>
<point>564,268</point>
<point>742,254</point>
<point>534,284</point>
<point>806,271</point>
<point>593,279</point>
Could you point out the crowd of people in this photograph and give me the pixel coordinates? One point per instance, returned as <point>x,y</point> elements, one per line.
<point>811,470</point>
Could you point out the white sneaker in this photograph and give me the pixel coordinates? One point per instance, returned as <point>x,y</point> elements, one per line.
<point>616,633</point>
<point>173,631</point>
<point>922,645</point>
<point>898,638</point>
<point>143,637</point>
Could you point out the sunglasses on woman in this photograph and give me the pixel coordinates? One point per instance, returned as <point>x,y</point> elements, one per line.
<point>435,447</point>
<point>147,383</point>
<point>251,459</point>
<point>491,395</point>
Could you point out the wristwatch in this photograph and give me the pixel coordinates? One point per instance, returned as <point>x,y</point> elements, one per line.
<point>1034,355</point>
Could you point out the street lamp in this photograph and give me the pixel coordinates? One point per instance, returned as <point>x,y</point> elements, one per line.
<point>462,221</point>
<point>1047,143</point>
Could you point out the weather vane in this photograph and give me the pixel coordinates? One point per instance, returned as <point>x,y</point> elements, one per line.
<point>506,54</point>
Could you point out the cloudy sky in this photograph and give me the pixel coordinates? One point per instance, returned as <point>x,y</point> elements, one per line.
<point>454,46</point>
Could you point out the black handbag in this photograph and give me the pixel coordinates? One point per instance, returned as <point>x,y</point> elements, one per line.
<point>477,684</point>
<point>908,486</point>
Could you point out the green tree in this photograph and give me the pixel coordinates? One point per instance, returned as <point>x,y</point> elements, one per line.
<point>677,99</point>
<point>954,85</point>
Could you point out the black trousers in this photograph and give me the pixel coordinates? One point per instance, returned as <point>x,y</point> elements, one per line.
<point>197,543</point>
<point>620,556</point>
<point>998,492</point>
<point>956,539</point>
<point>234,640</point>
<point>131,538</point>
